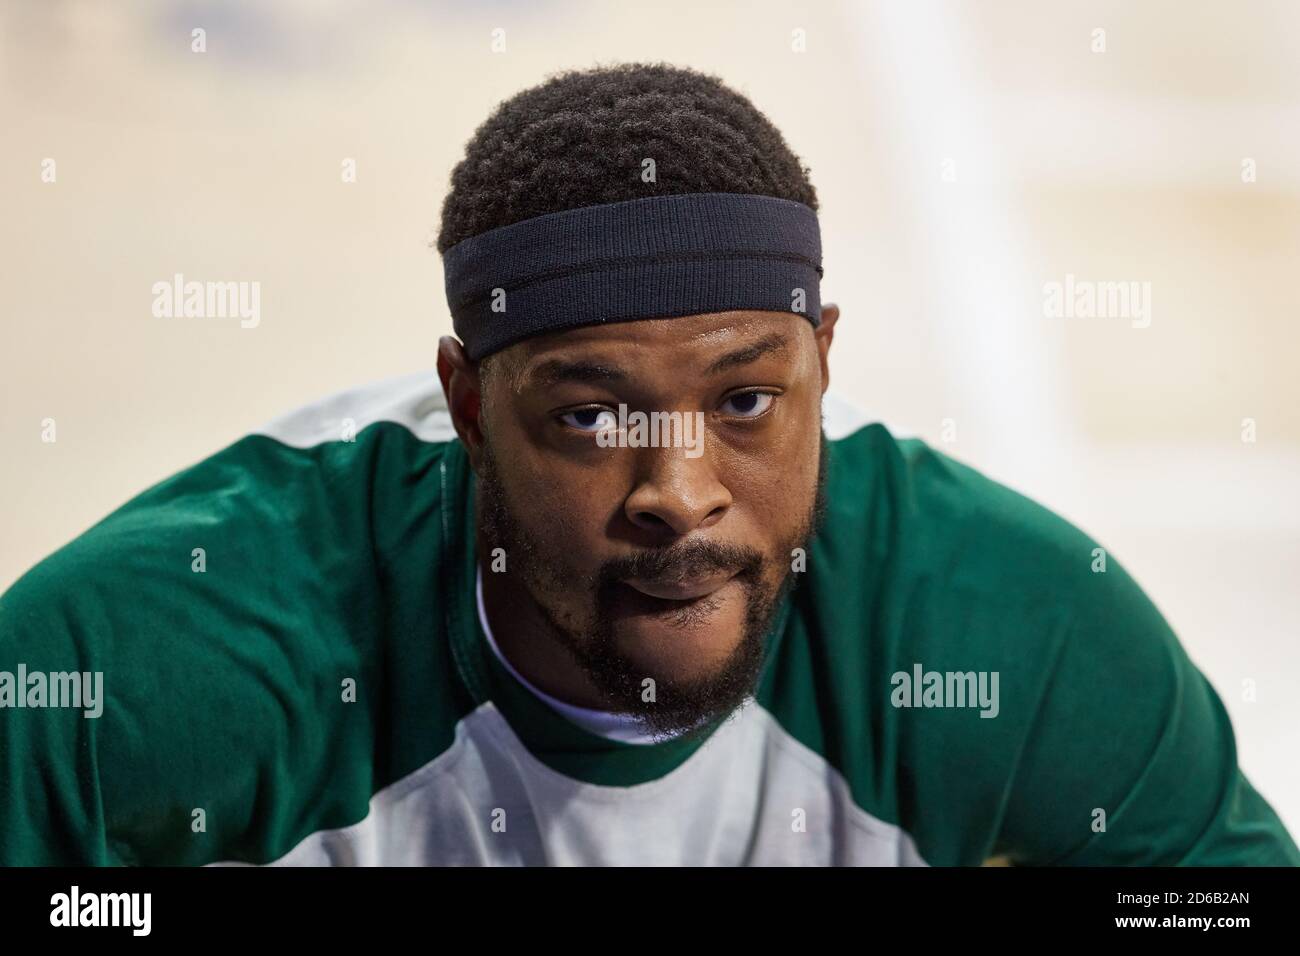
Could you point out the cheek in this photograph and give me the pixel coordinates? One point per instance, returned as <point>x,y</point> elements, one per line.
<point>566,509</point>
<point>774,484</point>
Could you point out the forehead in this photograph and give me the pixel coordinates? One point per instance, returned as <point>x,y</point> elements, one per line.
<point>677,346</point>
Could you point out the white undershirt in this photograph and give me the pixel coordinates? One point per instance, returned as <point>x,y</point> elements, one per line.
<point>612,726</point>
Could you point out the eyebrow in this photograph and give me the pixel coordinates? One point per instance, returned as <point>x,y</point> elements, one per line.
<point>774,342</point>
<point>554,371</point>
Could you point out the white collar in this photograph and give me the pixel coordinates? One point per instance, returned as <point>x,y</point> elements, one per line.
<point>622,727</point>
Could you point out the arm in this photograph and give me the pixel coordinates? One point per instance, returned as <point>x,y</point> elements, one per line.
<point>1128,727</point>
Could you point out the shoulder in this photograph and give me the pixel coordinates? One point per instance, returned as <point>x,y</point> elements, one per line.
<point>217,546</point>
<point>221,610</point>
<point>962,566</point>
<point>981,634</point>
<point>898,503</point>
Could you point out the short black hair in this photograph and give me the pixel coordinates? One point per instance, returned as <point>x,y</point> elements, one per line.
<point>580,138</point>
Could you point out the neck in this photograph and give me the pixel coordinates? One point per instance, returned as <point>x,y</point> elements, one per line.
<point>528,641</point>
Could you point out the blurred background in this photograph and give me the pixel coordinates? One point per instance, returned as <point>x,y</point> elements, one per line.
<point>966,156</point>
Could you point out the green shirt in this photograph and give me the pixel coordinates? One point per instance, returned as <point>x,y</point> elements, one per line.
<point>314,685</point>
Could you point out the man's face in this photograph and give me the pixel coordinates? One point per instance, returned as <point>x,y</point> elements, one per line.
<point>663,559</point>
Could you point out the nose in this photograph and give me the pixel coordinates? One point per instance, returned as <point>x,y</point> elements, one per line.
<point>676,494</point>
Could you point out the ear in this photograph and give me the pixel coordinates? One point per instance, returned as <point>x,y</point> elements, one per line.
<point>460,383</point>
<point>824,333</point>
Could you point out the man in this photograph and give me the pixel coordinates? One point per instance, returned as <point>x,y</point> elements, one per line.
<point>625,596</point>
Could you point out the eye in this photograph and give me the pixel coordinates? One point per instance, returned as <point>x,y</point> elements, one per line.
<point>748,404</point>
<point>590,420</point>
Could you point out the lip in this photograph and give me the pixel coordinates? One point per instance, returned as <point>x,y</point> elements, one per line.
<point>686,589</point>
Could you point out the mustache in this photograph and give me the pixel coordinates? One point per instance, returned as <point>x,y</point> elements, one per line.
<point>688,560</point>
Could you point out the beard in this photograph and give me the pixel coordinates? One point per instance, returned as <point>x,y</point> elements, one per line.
<point>675,706</point>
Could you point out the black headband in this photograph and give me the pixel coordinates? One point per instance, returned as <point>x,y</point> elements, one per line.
<point>658,257</point>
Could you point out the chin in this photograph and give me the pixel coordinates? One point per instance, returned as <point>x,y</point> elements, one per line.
<point>683,642</point>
